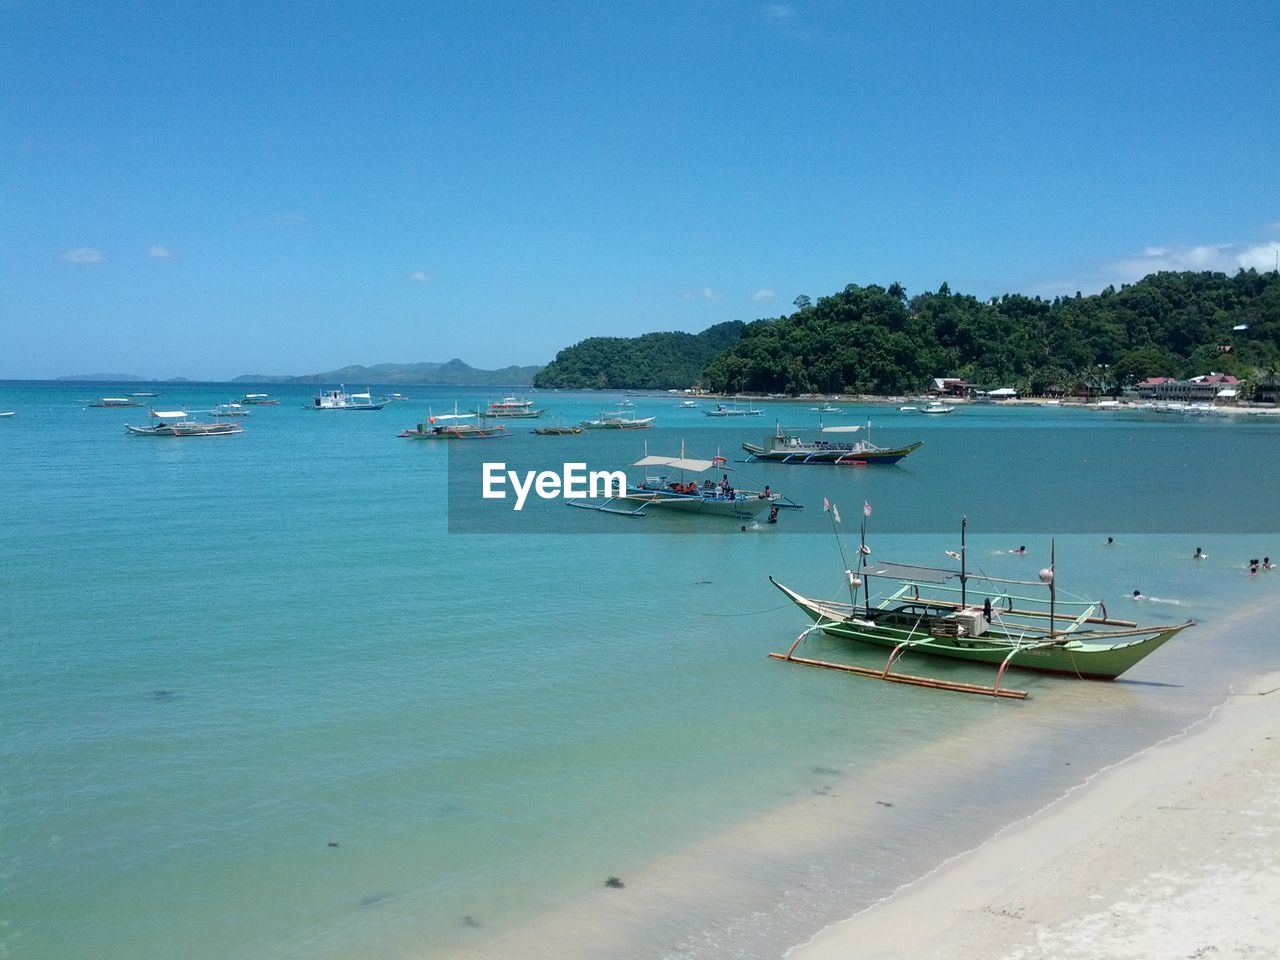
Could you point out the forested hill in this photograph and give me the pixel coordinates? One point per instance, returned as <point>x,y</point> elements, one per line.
<point>874,340</point>
<point>656,361</point>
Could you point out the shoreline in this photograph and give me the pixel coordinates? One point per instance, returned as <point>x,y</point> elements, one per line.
<point>1170,853</point>
<point>723,873</point>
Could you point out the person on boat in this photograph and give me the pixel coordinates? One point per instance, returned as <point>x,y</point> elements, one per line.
<point>766,494</point>
<point>1199,554</point>
<point>986,609</point>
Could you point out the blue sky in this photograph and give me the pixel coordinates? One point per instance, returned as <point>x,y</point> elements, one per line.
<point>205,190</point>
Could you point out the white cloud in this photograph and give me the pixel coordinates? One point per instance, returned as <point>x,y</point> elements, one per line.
<point>763,295</point>
<point>706,293</point>
<point>1221,257</point>
<point>84,255</point>
<point>419,276</point>
<point>157,252</point>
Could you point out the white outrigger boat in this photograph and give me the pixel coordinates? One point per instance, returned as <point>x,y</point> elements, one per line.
<point>454,426</point>
<point>512,408</point>
<point>341,400</point>
<point>689,496</point>
<point>178,423</point>
<point>989,625</point>
<point>617,420</point>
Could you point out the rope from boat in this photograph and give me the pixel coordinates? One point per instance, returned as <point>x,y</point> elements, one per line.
<point>753,613</point>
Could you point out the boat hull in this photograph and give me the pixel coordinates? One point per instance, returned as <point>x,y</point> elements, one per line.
<point>1095,659</point>
<point>186,430</point>
<point>829,456</point>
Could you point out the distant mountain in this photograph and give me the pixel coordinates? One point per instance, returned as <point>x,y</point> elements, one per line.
<point>454,372</point>
<point>107,377</point>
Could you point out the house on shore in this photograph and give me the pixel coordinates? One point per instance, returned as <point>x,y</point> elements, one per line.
<point>1209,388</point>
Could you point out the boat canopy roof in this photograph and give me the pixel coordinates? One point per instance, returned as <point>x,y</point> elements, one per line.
<point>678,463</point>
<point>451,416</point>
<point>170,414</point>
<point>841,429</point>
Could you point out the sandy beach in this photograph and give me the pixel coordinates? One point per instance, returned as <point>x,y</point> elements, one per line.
<point>1174,853</point>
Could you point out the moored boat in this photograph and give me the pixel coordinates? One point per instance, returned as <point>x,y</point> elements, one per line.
<point>232,409</point>
<point>617,420</point>
<point>178,423</point>
<point>557,430</point>
<point>953,613</point>
<point>669,489</point>
<point>112,402</point>
<point>341,400</point>
<point>938,408</point>
<point>511,408</point>
<point>454,426</point>
<point>733,410</point>
<point>789,445</point>
<point>258,400</point>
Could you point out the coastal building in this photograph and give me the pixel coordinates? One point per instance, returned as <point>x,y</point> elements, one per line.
<point>1208,388</point>
<point>952,387</point>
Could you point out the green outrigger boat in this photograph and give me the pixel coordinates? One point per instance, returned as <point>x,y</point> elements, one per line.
<point>939,612</point>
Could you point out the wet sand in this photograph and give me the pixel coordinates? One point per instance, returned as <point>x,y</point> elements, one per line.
<point>1173,853</point>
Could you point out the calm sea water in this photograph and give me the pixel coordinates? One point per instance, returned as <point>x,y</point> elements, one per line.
<point>258,701</point>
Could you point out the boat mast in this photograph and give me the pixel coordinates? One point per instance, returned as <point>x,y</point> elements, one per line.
<point>964,574</point>
<point>862,568</point>
<point>1053,586</point>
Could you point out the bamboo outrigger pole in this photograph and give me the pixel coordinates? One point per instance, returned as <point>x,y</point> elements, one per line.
<point>964,575</point>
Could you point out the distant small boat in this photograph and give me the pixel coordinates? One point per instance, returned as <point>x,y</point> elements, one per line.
<point>113,402</point>
<point>828,408</point>
<point>141,394</point>
<point>789,445</point>
<point>453,426</point>
<point>687,405</point>
<point>512,408</point>
<point>258,400</point>
<point>6,413</point>
<point>617,420</point>
<point>938,408</point>
<point>557,431</point>
<point>177,423</point>
<point>395,398</point>
<point>732,410</point>
<point>908,409</point>
<point>341,400</point>
<point>229,410</point>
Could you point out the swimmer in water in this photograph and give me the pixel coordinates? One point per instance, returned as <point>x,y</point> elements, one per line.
<point>1137,595</point>
<point>1111,541</point>
<point>1019,551</point>
<point>1198,555</point>
<point>1266,563</point>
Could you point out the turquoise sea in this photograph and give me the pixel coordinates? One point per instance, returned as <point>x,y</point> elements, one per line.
<point>260,702</point>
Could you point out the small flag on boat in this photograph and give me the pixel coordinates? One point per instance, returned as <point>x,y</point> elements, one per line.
<point>835,512</point>
<point>866,509</point>
<point>826,505</point>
